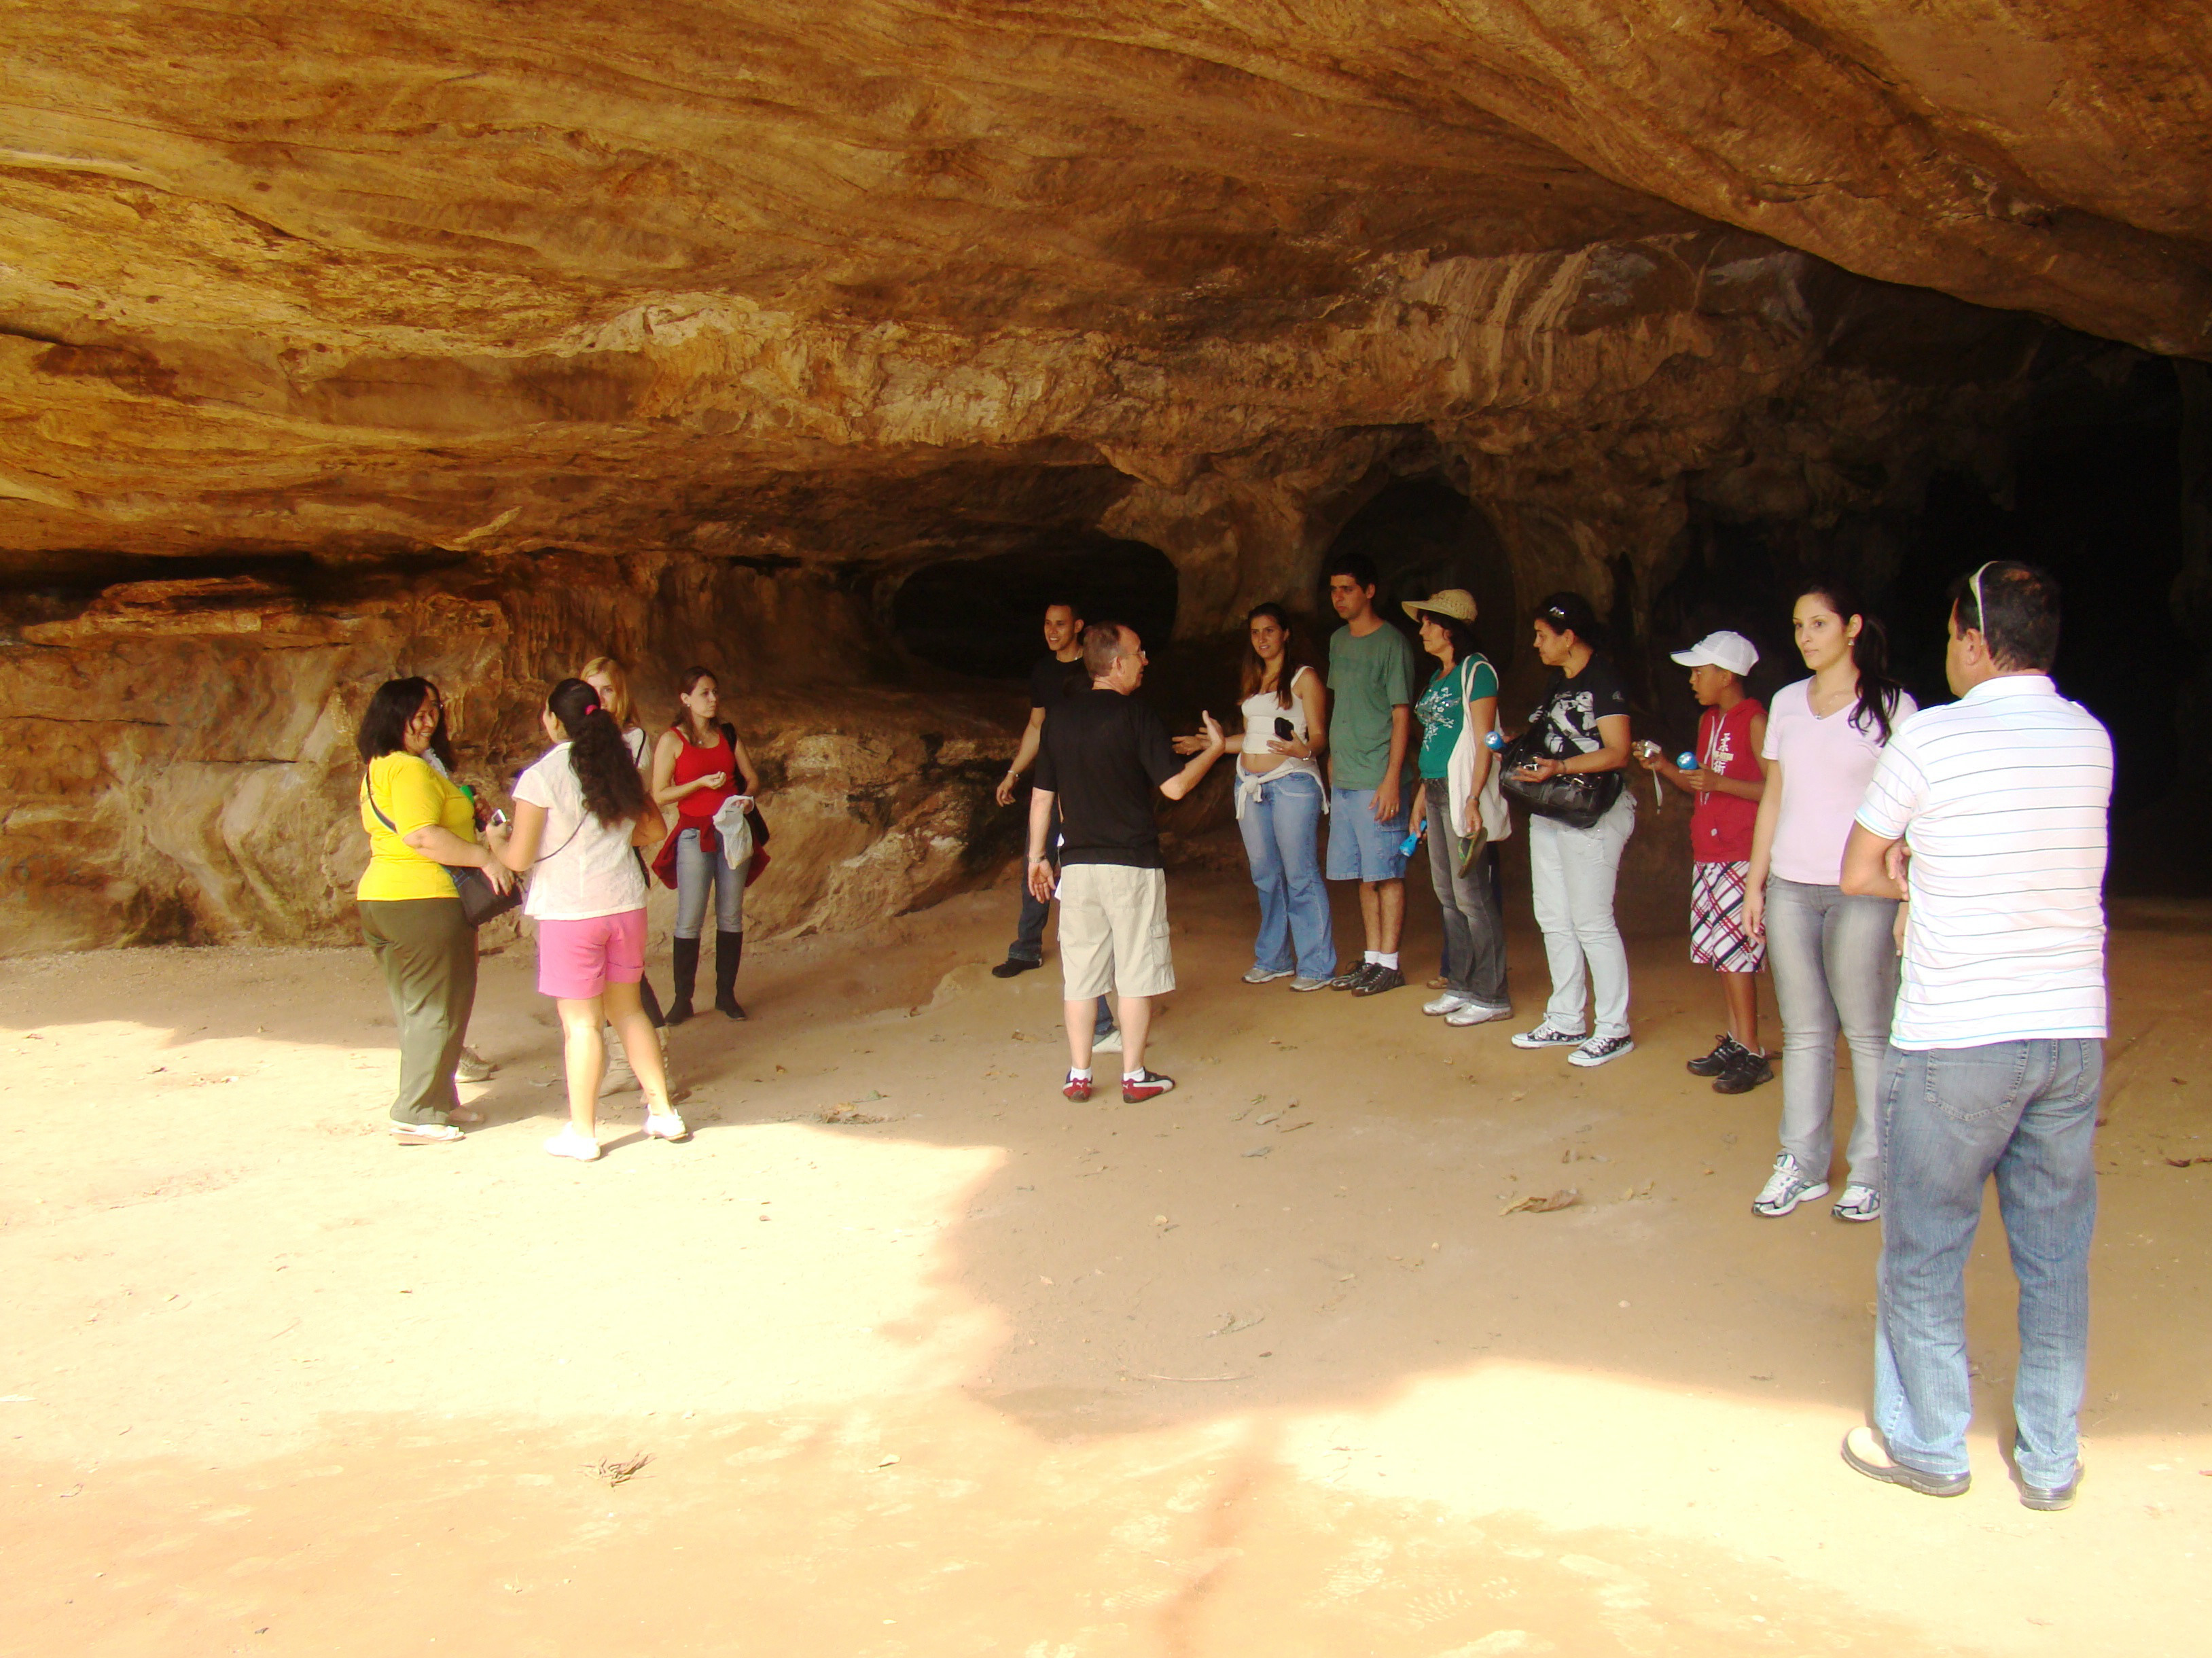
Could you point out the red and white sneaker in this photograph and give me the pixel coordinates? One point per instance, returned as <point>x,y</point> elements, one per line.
<point>1144,1085</point>
<point>1076,1087</point>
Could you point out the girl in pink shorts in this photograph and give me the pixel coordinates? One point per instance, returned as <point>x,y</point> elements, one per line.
<point>585,802</point>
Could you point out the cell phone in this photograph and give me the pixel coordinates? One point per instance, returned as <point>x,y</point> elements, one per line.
<point>498,819</point>
<point>1286,731</point>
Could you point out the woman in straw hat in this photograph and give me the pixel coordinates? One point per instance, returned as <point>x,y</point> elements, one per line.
<point>1458,712</point>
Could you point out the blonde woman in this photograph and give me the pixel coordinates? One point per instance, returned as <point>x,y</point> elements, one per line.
<point>607,676</point>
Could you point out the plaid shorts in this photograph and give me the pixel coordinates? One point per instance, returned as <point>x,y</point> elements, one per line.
<point>1716,935</point>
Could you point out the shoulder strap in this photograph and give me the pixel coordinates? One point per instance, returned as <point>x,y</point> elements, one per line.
<point>368,795</point>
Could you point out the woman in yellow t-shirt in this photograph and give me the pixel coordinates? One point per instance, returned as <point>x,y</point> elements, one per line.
<point>420,826</point>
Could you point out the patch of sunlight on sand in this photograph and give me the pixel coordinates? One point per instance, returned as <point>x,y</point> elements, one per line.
<point>496,1280</point>
<point>1597,1453</point>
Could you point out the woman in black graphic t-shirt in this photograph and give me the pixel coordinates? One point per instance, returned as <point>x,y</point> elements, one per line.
<point>1582,726</point>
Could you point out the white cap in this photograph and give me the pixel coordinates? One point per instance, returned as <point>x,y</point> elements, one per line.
<point>1724,649</point>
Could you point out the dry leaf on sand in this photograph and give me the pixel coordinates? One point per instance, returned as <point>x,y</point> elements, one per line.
<point>1533,1204</point>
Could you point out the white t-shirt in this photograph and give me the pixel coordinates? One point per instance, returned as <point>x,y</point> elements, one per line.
<point>2002,796</point>
<point>1826,764</point>
<point>584,867</point>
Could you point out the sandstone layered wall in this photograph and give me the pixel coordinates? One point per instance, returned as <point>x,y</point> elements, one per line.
<point>179,763</point>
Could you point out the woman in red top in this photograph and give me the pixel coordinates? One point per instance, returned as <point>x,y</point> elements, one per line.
<point>1726,783</point>
<point>695,766</point>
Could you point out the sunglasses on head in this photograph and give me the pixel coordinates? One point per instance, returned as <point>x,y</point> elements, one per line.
<point>1981,613</point>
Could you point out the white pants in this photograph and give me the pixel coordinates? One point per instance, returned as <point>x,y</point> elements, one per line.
<point>1570,874</point>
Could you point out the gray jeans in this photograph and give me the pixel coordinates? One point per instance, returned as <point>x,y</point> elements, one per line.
<point>1474,930</point>
<point>1835,967</point>
<point>1571,874</point>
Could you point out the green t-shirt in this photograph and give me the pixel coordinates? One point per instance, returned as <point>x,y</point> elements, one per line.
<point>1367,678</point>
<point>1442,710</point>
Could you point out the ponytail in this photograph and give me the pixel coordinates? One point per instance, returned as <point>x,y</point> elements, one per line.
<point>613,792</point>
<point>1875,712</point>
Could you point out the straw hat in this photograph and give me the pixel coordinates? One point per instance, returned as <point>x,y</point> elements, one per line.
<point>1455,602</point>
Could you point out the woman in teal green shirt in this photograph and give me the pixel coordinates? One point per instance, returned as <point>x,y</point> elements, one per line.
<point>1465,689</point>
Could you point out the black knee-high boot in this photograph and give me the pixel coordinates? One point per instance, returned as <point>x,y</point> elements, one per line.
<point>651,1003</point>
<point>687,975</point>
<point>729,950</point>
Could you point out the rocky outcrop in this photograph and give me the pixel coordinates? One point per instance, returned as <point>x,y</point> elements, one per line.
<point>181,763</point>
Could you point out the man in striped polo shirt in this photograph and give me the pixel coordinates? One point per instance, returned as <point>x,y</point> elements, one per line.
<point>1993,808</point>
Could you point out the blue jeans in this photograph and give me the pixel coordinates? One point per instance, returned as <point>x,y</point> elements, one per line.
<point>1281,828</point>
<point>1835,965</point>
<point>2026,1111</point>
<point>696,874</point>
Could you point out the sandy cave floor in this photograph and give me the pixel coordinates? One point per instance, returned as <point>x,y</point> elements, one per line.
<point>1259,1367</point>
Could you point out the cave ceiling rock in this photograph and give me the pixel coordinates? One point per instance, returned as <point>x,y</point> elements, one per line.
<point>449,257</point>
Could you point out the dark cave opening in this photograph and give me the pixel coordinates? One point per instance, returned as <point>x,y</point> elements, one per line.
<point>1424,536</point>
<point>2093,491</point>
<point>982,616</point>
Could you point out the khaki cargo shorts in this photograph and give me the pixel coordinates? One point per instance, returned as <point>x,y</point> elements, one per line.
<point>1114,931</point>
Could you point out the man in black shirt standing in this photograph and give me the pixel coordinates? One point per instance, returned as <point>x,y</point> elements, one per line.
<point>1054,674</point>
<point>1104,759</point>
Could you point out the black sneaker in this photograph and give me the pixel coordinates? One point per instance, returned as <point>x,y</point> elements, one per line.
<point>1712,1064</point>
<point>1746,1071</point>
<point>1014,965</point>
<point>1379,980</point>
<point>1352,977</point>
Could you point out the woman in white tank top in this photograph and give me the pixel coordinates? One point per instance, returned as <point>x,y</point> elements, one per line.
<point>1280,797</point>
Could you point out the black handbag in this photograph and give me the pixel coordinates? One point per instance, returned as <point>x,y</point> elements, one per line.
<point>1577,799</point>
<point>481,901</point>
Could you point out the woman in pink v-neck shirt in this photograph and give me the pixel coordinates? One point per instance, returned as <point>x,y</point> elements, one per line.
<point>1833,957</point>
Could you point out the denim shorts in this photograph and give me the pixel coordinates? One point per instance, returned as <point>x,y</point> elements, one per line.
<point>1360,848</point>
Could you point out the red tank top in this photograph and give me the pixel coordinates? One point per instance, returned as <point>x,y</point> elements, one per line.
<point>696,809</point>
<point>1721,825</point>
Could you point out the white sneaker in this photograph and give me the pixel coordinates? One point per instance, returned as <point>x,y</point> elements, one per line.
<point>1475,1013</point>
<point>570,1144</point>
<point>1786,1188</point>
<point>1548,1035</point>
<point>1601,1050</point>
<point>1267,975</point>
<point>1109,1042</point>
<point>473,1067</point>
<point>1450,1002</point>
<point>1858,1203</point>
<point>667,1126</point>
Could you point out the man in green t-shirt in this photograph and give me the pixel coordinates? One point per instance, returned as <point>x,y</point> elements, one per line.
<point>1371,721</point>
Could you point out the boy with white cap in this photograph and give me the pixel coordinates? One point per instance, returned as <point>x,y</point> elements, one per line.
<point>1726,781</point>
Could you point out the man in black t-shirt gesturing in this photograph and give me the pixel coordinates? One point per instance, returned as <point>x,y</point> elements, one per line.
<point>1054,674</point>
<point>1105,759</point>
